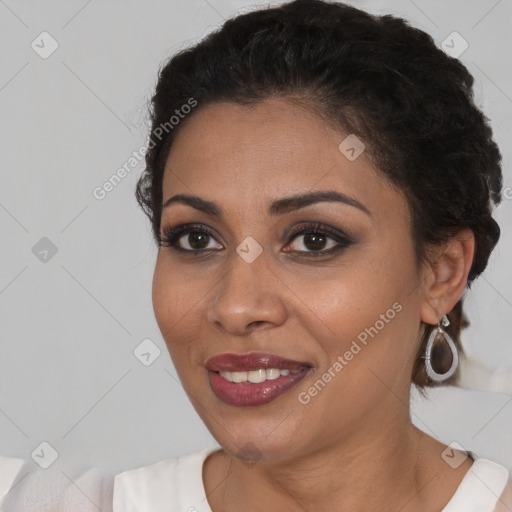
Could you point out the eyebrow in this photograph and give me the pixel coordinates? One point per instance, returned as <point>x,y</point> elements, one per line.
<point>278,207</point>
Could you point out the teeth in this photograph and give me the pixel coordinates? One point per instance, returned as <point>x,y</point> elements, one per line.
<point>256,376</point>
<point>238,376</point>
<point>272,373</point>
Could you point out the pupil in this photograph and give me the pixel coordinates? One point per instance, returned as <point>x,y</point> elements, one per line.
<point>314,241</point>
<point>198,240</point>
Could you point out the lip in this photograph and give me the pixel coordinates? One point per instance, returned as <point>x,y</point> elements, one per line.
<point>247,393</point>
<point>251,361</point>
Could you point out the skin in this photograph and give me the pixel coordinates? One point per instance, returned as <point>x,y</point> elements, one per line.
<point>352,447</point>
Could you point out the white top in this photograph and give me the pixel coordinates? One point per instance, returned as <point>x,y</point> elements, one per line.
<point>176,485</point>
<point>9,470</point>
<point>25,487</point>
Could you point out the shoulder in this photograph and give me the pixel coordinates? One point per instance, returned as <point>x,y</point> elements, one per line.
<point>9,470</point>
<point>482,488</point>
<point>157,486</point>
<point>505,500</point>
<point>58,488</point>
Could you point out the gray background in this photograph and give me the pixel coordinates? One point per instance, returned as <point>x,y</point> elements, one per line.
<point>69,325</point>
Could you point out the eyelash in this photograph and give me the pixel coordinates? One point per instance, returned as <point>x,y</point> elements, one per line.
<point>171,237</point>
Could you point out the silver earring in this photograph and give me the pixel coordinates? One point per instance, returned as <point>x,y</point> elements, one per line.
<point>440,377</point>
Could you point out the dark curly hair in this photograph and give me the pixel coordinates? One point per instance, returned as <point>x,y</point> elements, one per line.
<point>373,76</point>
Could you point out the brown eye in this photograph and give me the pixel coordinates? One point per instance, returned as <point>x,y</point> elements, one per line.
<point>189,238</point>
<point>317,239</point>
<point>315,242</point>
<point>197,239</point>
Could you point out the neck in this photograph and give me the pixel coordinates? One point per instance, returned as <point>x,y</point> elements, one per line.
<point>375,467</point>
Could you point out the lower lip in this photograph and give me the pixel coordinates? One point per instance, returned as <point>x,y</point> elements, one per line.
<point>246,393</point>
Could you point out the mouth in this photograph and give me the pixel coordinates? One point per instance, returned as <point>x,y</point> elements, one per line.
<point>253,379</point>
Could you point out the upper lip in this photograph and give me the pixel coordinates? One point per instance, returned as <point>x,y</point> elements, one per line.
<point>251,361</point>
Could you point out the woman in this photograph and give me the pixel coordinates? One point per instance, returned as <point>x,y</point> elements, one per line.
<point>321,186</point>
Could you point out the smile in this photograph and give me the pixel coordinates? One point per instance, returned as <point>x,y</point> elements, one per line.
<point>253,379</point>
<point>257,376</point>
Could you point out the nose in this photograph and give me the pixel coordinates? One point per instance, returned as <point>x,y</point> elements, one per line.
<point>248,297</point>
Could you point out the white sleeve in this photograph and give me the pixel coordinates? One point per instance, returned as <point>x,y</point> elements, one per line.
<point>9,470</point>
<point>150,488</point>
<point>58,489</point>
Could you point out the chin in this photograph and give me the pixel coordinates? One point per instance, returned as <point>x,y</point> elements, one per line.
<point>258,441</point>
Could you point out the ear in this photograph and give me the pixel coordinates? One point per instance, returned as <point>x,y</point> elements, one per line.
<point>446,275</point>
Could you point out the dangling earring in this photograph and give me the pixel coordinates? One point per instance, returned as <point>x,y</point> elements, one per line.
<point>440,377</point>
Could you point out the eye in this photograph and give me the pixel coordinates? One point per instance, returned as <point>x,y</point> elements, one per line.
<point>191,238</point>
<point>318,239</point>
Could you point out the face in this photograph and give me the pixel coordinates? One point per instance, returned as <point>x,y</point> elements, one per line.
<point>315,301</point>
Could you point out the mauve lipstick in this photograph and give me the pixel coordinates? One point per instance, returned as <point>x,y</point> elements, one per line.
<point>243,394</point>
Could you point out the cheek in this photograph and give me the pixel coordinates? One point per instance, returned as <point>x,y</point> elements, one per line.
<point>178,303</point>
<point>161,297</point>
<point>170,304</point>
<point>349,310</point>
<point>363,302</point>
<point>350,295</point>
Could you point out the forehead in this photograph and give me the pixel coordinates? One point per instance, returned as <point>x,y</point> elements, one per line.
<point>248,156</point>
<point>270,137</point>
